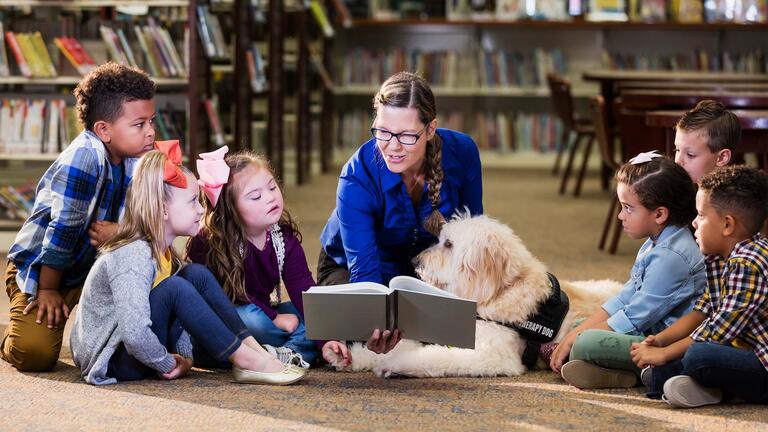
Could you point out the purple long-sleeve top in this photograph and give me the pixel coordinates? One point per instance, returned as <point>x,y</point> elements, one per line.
<point>261,271</point>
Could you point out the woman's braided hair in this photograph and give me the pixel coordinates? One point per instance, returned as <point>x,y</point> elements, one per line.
<point>409,90</point>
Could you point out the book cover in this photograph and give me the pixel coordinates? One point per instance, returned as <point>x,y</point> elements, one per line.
<point>322,19</point>
<point>150,62</point>
<point>18,56</point>
<point>422,312</point>
<point>42,52</point>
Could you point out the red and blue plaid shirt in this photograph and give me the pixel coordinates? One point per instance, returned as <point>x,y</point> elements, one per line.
<point>736,299</point>
<point>77,189</point>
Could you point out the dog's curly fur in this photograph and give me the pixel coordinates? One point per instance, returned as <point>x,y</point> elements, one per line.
<point>481,259</point>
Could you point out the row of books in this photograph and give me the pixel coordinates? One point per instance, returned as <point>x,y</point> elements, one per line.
<point>563,10</point>
<point>29,52</point>
<point>453,69</point>
<point>36,126</point>
<point>753,61</point>
<point>160,56</point>
<point>46,126</point>
<point>32,58</point>
<point>494,131</point>
<point>16,202</point>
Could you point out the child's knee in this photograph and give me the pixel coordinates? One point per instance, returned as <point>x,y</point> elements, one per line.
<point>30,354</point>
<point>587,343</point>
<point>697,356</point>
<point>194,271</point>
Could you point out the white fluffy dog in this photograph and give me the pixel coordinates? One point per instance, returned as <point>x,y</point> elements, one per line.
<point>481,259</point>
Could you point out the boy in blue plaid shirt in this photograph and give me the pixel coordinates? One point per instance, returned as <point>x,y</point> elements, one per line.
<point>720,349</point>
<point>77,204</point>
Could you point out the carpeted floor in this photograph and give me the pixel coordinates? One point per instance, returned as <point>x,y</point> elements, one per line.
<point>562,231</point>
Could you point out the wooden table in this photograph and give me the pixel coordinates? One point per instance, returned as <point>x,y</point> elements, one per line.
<point>754,130</point>
<point>656,99</point>
<point>609,77</point>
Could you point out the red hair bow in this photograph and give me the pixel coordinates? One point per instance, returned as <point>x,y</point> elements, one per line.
<point>172,174</point>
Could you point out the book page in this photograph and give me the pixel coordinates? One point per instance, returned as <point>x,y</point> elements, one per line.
<point>351,288</point>
<point>407,283</point>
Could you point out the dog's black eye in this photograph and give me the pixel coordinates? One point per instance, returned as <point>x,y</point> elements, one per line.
<point>447,244</point>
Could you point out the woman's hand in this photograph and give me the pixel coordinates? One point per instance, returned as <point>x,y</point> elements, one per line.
<point>286,322</point>
<point>337,354</point>
<point>382,343</point>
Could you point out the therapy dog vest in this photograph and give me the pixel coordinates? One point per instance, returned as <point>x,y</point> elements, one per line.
<point>542,326</point>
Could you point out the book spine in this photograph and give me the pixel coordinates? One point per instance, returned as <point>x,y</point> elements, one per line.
<point>161,48</point>
<point>181,70</point>
<point>42,51</point>
<point>66,53</point>
<point>322,19</point>
<point>150,61</point>
<point>21,62</point>
<point>126,48</point>
<point>5,67</point>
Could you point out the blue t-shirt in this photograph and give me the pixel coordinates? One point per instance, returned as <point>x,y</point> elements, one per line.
<point>375,230</point>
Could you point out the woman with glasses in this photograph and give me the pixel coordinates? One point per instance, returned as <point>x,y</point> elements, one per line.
<point>395,193</point>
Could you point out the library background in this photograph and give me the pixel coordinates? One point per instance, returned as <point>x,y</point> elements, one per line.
<point>488,62</point>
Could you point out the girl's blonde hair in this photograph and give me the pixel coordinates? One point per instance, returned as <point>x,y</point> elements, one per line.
<point>409,90</point>
<point>144,207</point>
<point>225,231</point>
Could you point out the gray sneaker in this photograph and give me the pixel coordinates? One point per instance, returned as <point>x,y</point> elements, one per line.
<point>645,377</point>
<point>585,375</point>
<point>684,392</point>
<point>287,356</point>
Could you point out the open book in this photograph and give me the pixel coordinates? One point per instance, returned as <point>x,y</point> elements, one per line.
<point>422,312</point>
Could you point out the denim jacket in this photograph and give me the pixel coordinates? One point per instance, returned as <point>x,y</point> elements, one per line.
<point>664,284</point>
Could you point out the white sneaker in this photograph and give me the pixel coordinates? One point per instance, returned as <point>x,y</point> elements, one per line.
<point>287,356</point>
<point>684,392</point>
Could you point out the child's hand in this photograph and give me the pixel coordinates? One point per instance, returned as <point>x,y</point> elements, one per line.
<point>337,354</point>
<point>49,303</point>
<point>286,322</point>
<point>101,231</point>
<point>384,342</point>
<point>183,365</point>
<point>652,340</point>
<point>562,352</point>
<point>644,355</point>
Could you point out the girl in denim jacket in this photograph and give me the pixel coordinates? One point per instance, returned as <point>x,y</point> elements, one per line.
<point>658,203</point>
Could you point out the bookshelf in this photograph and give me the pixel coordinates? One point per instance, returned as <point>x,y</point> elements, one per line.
<point>82,21</point>
<point>439,44</point>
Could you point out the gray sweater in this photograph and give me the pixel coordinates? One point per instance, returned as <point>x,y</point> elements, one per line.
<point>114,309</point>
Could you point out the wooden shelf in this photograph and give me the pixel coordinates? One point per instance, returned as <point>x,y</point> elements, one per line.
<point>73,80</point>
<point>31,157</point>
<point>577,24</point>
<point>92,3</point>
<point>365,90</point>
<point>10,225</point>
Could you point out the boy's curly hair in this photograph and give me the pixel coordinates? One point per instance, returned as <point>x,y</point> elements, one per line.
<point>101,94</point>
<point>741,191</point>
<point>722,127</point>
<point>662,183</point>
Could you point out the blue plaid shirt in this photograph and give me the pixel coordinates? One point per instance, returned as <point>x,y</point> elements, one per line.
<point>75,191</point>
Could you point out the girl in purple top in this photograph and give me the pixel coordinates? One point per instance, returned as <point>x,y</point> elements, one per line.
<point>250,243</point>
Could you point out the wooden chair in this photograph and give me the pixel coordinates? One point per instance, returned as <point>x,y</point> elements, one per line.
<point>603,136</point>
<point>562,101</point>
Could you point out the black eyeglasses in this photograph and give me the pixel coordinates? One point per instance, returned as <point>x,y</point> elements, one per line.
<point>405,138</point>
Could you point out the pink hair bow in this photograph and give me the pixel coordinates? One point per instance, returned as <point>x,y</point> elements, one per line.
<point>214,173</point>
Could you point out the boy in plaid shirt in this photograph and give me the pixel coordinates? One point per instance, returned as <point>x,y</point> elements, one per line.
<point>720,349</point>
<point>77,204</point>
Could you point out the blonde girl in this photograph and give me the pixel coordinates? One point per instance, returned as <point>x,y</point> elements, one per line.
<point>140,305</point>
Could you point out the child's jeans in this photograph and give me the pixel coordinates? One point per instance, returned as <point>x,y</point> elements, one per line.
<point>193,301</point>
<point>264,330</point>
<point>606,349</point>
<point>738,372</point>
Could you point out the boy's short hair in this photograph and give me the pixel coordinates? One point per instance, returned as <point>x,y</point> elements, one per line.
<point>101,94</point>
<point>722,126</point>
<point>741,191</point>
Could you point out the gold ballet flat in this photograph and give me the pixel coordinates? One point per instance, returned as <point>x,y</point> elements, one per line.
<point>288,375</point>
